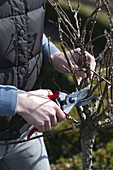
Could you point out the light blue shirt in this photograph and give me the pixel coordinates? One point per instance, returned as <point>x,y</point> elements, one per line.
<point>9,94</point>
<point>48,48</point>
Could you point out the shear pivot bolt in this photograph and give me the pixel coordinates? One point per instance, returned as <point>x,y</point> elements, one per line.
<point>71,100</point>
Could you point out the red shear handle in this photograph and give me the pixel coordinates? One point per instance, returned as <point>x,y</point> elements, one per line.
<point>52,97</point>
<point>31,132</point>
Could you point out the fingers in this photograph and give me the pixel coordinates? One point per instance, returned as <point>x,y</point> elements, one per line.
<point>92,64</point>
<point>79,60</point>
<point>56,115</point>
<point>48,126</point>
<point>55,118</point>
<point>80,72</point>
<point>60,115</point>
<point>44,126</point>
<point>52,121</point>
<point>40,127</point>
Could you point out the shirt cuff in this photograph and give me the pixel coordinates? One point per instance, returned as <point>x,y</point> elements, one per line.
<point>48,48</point>
<point>8,100</point>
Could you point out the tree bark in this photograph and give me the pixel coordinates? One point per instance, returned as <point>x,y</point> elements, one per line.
<point>87,142</point>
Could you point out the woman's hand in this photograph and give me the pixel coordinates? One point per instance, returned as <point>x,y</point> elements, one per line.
<point>90,60</point>
<point>38,110</point>
<point>59,62</point>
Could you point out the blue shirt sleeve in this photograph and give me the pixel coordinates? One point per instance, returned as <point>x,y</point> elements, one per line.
<point>48,48</point>
<point>8,100</point>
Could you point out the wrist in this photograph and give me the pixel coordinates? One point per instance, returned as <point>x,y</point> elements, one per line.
<point>21,101</point>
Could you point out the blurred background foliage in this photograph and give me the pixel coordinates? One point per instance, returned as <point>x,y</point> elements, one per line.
<point>64,149</point>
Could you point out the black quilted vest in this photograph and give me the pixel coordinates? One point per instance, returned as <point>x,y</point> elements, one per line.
<point>21,29</point>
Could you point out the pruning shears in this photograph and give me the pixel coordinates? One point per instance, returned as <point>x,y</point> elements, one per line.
<point>67,101</point>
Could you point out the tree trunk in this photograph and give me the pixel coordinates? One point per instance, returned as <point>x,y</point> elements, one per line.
<point>87,142</point>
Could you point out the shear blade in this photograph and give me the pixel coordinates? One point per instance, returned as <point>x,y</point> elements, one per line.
<point>82,94</point>
<point>85,102</point>
<point>68,108</point>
